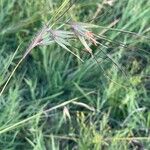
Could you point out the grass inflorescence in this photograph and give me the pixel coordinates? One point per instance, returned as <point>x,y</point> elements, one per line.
<point>83,81</point>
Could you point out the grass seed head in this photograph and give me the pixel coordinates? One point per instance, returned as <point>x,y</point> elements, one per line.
<point>84,35</point>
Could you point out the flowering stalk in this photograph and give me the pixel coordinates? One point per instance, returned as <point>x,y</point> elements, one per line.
<point>45,37</point>
<point>84,35</point>
<point>38,40</point>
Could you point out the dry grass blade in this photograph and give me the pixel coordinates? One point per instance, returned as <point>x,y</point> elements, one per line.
<point>41,114</point>
<point>84,105</point>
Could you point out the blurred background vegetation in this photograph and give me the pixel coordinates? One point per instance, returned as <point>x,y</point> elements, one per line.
<point>101,114</point>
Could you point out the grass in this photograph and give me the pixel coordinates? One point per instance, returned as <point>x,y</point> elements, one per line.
<point>55,101</point>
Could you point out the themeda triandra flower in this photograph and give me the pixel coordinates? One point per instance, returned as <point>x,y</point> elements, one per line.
<point>84,35</point>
